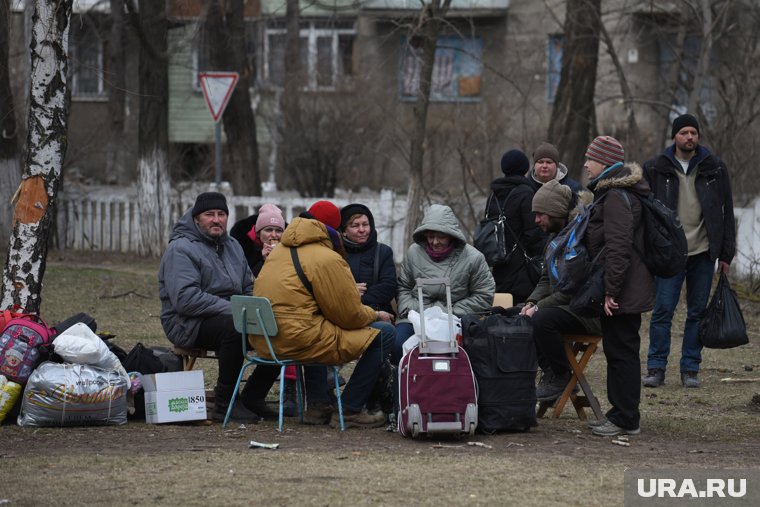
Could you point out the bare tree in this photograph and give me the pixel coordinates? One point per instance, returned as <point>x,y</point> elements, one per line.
<point>225,27</point>
<point>10,170</point>
<point>573,116</point>
<point>116,84</point>
<point>46,149</point>
<point>154,184</point>
<point>290,127</point>
<point>429,26</point>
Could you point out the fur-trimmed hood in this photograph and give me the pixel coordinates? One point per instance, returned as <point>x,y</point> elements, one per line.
<point>630,176</point>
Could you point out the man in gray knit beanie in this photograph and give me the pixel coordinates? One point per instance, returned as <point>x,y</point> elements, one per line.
<point>553,203</point>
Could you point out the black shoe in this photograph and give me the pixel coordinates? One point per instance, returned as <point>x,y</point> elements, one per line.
<point>655,377</point>
<point>290,399</point>
<point>551,385</point>
<point>240,414</point>
<point>262,409</point>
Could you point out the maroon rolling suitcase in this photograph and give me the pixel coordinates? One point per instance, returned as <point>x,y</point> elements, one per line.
<point>437,391</point>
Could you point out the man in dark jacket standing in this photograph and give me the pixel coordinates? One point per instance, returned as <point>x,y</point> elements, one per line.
<point>511,196</point>
<point>688,178</point>
<point>200,269</point>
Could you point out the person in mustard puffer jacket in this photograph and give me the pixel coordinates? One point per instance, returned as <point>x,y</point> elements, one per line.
<point>324,322</point>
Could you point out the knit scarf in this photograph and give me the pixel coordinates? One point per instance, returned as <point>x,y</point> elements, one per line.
<point>438,256</point>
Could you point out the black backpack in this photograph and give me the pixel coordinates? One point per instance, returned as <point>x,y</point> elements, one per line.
<point>665,249</point>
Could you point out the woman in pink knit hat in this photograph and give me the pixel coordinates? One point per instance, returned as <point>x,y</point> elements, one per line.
<point>258,234</point>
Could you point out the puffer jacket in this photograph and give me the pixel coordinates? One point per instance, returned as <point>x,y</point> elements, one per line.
<point>616,223</point>
<point>196,278</point>
<point>329,326</point>
<point>472,285</point>
<point>361,259</point>
<point>546,296</point>
<point>515,195</point>
<point>713,192</point>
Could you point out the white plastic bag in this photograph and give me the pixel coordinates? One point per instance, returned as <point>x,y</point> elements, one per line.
<point>436,324</point>
<point>80,345</point>
<point>436,327</point>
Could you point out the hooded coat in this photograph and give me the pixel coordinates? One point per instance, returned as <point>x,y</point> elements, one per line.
<point>616,223</point>
<point>472,285</point>
<point>196,278</point>
<point>372,263</point>
<point>514,194</point>
<point>329,326</point>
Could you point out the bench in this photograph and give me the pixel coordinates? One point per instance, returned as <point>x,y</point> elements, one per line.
<point>585,345</point>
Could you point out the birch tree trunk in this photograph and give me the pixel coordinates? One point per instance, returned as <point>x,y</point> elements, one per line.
<point>431,19</point>
<point>154,184</point>
<point>46,144</point>
<point>10,170</point>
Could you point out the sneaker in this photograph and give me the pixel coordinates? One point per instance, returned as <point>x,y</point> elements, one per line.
<point>551,386</point>
<point>610,429</point>
<point>318,412</point>
<point>361,419</point>
<point>240,414</point>
<point>690,379</point>
<point>655,377</point>
<point>595,423</point>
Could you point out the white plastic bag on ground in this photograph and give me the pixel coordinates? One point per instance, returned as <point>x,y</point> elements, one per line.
<point>80,345</point>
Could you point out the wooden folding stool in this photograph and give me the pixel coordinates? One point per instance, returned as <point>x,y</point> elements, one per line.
<point>586,345</point>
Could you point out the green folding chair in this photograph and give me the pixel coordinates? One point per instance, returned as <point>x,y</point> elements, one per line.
<point>254,315</point>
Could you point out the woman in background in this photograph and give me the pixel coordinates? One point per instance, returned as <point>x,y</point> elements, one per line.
<point>371,262</point>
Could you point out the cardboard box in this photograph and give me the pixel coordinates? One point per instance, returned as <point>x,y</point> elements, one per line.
<point>173,397</point>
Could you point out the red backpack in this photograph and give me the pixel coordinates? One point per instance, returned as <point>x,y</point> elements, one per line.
<point>23,341</point>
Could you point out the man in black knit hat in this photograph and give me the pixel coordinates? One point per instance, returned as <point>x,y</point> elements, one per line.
<point>201,268</point>
<point>691,180</point>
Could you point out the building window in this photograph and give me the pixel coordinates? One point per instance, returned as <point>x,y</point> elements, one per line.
<point>554,47</point>
<point>86,61</point>
<point>326,54</point>
<point>457,70</point>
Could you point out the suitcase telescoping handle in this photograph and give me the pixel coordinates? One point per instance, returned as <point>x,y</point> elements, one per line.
<point>428,346</point>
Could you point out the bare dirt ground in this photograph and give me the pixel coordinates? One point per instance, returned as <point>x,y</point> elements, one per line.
<point>559,462</point>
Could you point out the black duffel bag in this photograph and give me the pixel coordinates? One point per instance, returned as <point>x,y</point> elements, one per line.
<point>503,359</point>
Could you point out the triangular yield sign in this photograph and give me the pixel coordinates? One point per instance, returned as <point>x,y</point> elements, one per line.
<point>217,88</point>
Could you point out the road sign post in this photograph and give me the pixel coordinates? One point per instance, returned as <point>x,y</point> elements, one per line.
<point>217,89</point>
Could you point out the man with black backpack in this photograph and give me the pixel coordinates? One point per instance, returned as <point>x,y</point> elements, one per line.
<point>694,182</point>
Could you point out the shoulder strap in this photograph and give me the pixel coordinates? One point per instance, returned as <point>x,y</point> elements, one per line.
<point>376,266</point>
<point>299,270</point>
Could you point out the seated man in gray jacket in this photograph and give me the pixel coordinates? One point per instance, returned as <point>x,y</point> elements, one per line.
<point>201,268</point>
<point>548,308</point>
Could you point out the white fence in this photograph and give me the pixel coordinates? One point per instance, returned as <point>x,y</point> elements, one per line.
<point>108,219</point>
